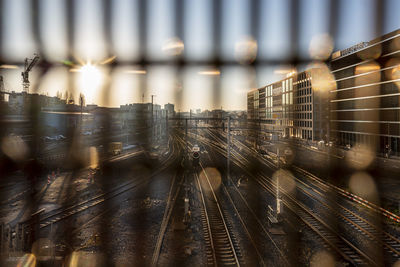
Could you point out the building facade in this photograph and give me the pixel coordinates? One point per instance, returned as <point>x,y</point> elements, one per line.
<point>290,108</point>
<point>365,107</point>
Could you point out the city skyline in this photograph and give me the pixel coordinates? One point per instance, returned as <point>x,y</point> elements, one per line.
<point>197,81</point>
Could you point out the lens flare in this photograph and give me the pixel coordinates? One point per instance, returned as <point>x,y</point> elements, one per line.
<point>85,259</point>
<point>93,157</point>
<point>285,179</point>
<point>321,46</point>
<point>360,156</point>
<point>322,258</point>
<point>323,80</point>
<point>246,50</point>
<point>362,184</point>
<point>28,260</point>
<point>173,46</point>
<point>14,147</point>
<point>90,80</point>
<point>213,176</point>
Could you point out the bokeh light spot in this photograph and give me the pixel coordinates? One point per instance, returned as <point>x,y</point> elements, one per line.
<point>323,80</point>
<point>28,260</point>
<point>322,259</point>
<point>321,46</point>
<point>213,176</point>
<point>85,259</point>
<point>14,147</point>
<point>246,50</point>
<point>285,179</point>
<point>93,157</point>
<point>43,247</point>
<point>360,156</point>
<point>173,46</point>
<point>362,184</point>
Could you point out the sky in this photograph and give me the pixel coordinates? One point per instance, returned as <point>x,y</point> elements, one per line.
<point>191,87</point>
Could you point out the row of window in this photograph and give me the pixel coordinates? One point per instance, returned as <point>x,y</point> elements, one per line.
<point>303,107</point>
<point>304,100</point>
<point>302,85</point>
<point>302,92</point>
<point>307,124</point>
<point>304,116</point>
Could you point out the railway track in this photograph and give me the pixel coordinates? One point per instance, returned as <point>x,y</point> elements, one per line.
<point>334,240</point>
<point>166,218</point>
<point>317,189</point>
<point>222,247</point>
<point>355,221</point>
<point>57,215</point>
<point>339,243</point>
<point>345,248</point>
<point>375,234</point>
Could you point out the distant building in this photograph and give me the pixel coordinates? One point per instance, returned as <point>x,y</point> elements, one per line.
<point>91,107</point>
<point>170,110</point>
<point>21,103</point>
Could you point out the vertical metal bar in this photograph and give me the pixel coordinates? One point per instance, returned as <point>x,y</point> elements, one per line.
<point>1,33</point>
<point>107,25</point>
<point>217,15</point>
<point>106,234</point>
<point>142,16</point>
<point>179,18</point>
<point>35,26</point>
<point>294,31</point>
<point>333,15</point>
<point>379,7</point>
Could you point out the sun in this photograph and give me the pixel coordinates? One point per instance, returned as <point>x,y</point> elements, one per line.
<point>91,76</point>
<point>90,80</point>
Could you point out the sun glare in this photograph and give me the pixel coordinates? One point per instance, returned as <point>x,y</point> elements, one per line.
<point>90,80</point>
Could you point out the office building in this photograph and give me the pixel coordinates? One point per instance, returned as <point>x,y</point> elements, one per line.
<point>365,103</point>
<point>290,108</point>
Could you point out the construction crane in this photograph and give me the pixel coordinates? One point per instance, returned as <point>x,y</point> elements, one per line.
<point>29,64</point>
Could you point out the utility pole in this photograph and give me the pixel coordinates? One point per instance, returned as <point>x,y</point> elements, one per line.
<point>186,137</point>
<point>152,118</point>
<point>166,125</point>
<point>81,103</point>
<point>278,201</point>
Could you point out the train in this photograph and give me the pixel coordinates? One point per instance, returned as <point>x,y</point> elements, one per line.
<point>195,156</point>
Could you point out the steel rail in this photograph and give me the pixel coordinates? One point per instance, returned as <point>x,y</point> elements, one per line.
<point>218,226</point>
<point>310,225</point>
<point>165,221</point>
<point>63,213</point>
<point>349,216</point>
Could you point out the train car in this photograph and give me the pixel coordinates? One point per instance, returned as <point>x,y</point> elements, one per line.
<point>196,156</point>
